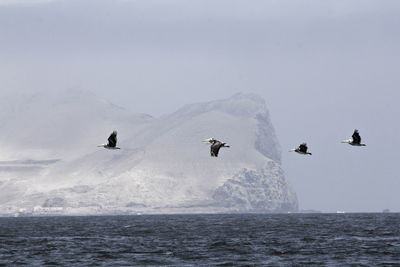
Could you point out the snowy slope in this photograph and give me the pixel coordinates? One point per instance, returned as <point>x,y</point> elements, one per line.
<point>162,167</point>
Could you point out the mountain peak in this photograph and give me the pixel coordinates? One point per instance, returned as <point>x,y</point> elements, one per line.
<point>238,105</point>
<point>162,167</point>
<point>249,96</point>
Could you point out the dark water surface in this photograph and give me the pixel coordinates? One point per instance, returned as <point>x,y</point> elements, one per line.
<point>193,240</point>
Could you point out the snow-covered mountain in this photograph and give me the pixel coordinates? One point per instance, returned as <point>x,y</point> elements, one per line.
<point>49,162</point>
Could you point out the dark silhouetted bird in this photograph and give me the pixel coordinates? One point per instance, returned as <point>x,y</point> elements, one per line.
<point>302,149</point>
<point>215,146</point>
<point>356,141</point>
<point>112,141</point>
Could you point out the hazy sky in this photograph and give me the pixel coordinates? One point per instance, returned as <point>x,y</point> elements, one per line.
<point>324,68</point>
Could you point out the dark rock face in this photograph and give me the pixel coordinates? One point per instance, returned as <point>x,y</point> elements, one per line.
<point>263,190</point>
<point>55,202</point>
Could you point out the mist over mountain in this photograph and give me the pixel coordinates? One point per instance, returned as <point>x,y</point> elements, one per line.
<point>49,162</point>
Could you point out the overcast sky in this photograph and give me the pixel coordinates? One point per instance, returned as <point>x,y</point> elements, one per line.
<point>323,67</point>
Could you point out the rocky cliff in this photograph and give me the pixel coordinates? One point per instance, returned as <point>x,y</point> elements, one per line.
<point>50,162</point>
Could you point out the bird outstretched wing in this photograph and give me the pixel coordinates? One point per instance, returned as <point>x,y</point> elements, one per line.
<point>214,149</point>
<point>356,137</point>
<point>112,140</point>
<point>303,147</point>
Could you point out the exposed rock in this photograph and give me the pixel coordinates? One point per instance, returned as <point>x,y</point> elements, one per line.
<point>54,202</point>
<point>257,191</point>
<point>162,167</point>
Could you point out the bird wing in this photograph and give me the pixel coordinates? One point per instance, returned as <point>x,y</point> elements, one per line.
<point>303,147</point>
<point>214,149</point>
<point>112,140</point>
<point>356,137</point>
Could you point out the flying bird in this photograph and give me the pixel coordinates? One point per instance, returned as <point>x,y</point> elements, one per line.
<point>215,146</point>
<point>112,141</point>
<point>356,141</point>
<point>302,149</point>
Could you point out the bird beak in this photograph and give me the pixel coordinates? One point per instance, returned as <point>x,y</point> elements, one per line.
<point>292,150</point>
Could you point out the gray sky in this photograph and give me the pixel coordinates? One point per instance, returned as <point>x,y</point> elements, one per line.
<point>324,68</point>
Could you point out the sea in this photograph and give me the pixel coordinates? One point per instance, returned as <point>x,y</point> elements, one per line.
<point>359,239</point>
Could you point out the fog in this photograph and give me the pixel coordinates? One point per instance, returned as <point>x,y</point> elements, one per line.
<point>324,68</point>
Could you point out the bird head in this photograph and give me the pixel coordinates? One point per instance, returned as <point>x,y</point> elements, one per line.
<point>209,140</point>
